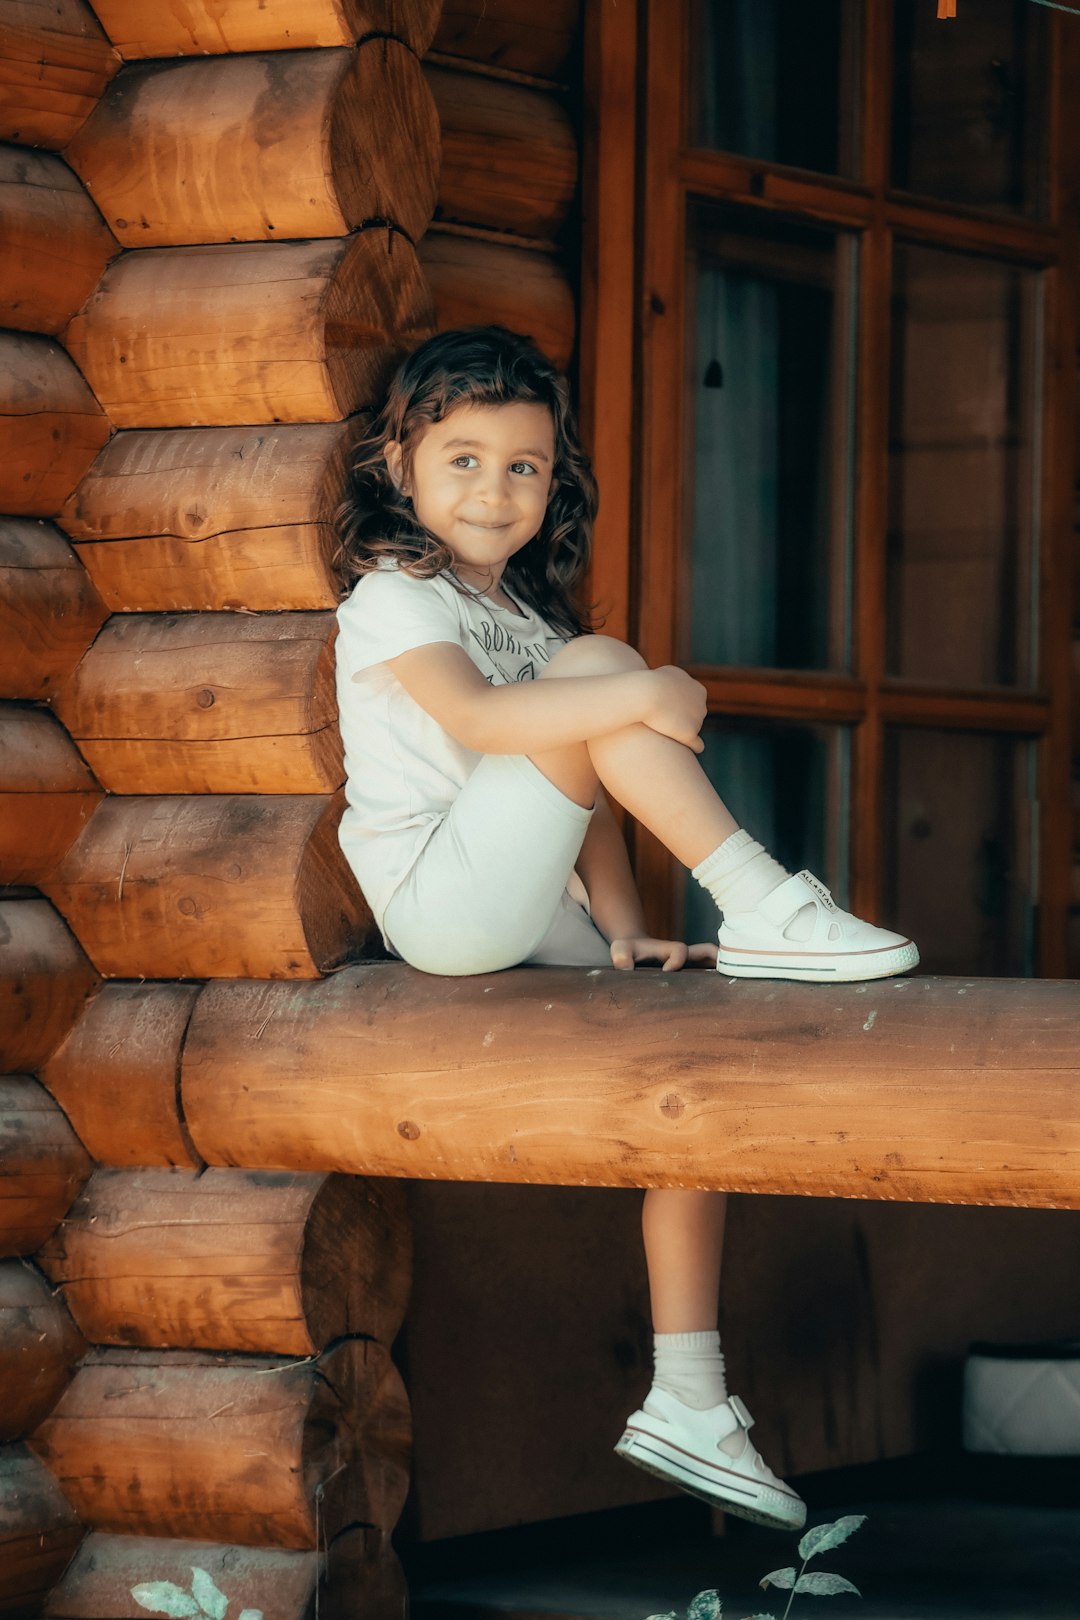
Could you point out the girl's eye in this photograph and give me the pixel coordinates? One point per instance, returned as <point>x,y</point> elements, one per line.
<point>464,461</point>
<point>525,467</point>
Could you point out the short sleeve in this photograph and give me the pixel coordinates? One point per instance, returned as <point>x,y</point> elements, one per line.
<point>390,613</point>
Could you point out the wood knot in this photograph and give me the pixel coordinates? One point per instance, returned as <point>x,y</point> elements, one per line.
<point>205,699</point>
<point>408,1129</point>
<point>672,1106</point>
<point>187,907</point>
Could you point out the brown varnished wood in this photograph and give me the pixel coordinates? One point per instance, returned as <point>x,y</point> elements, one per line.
<point>121,1062</point>
<point>55,244</point>
<point>358,1572</point>
<point>44,981</point>
<point>303,331</point>
<point>515,35</point>
<point>209,703</point>
<point>51,426</point>
<point>265,146</point>
<point>922,1089</point>
<point>47,793</point>
<point>246,1260</point>
<point>54,64</point>
<point>38,1532</point>
<point>214,518</point>
<point>176,1443</point>
<point>42,1165</point>
<point>49,609</point>
<point>474,282</point>
<point>509,154</point>
<point>39,1348</point>
<point>212,886</point>
<point>197,27</point>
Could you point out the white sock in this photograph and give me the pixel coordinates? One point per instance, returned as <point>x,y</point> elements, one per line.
<point>739,873</point>
<point>690,1366</point>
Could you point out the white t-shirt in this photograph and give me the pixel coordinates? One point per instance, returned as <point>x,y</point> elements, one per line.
<point>403,770</point>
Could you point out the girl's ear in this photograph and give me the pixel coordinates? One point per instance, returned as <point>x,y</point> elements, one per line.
<point>395,463</point>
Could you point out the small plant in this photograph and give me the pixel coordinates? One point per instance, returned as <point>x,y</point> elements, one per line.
<point>822,1538</point>
<point>205,1601</point>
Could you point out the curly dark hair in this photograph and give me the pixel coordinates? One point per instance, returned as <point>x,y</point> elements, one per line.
<point>479,365</point>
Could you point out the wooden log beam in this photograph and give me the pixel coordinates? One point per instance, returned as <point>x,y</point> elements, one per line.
<point>38,1533</point>
<point>42,1165</point>
<point>212,886</point>
<point>256,332</point>
<point>51,426</point>
<point>358,1574</point>
<point>256,1451</point>
<point>252,1260</point>
<point>49,610</point>
<point>933,1090</point>
<point>121,1061</point>
<point>209,703</point>
<point>39,1348</point>
<point>47,794</point>
<point>263,147</point>
<point>44,981</point>
<point>55,244</point>
<point>54,64</point>
<point>208,26</point>
<point>473,282</point>
<point>509,154</point>
<point>516,35</point>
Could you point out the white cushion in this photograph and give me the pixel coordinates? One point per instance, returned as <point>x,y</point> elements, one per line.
<point>1023,1400</point>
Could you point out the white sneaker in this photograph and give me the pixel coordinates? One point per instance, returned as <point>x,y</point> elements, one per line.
<point>677,1443</point>
<point>755,944</point>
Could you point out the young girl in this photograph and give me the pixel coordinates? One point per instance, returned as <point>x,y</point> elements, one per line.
<point>484,726</point>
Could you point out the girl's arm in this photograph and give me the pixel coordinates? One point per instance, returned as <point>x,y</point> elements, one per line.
<point>532,717</point>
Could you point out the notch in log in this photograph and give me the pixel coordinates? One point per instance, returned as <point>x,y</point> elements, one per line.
<point>44,981</point>
<point>51,426</point>
<point>40,1347</point>
<point>49,610</point>
<point>54,64</point>
<point>268,147</point>
<point>209,703</point>
<point>250,1260</point>
<point>38,1533</point>
<point>516,35</point>
<point>47,794</point>
<point>55,244</point>
<point>214,518</point>
<point>43,1165</point>
<point>205,27</point>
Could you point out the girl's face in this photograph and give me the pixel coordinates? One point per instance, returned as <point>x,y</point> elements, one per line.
<point>480,479</point>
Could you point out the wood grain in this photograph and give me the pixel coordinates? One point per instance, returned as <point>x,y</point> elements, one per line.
<point>180,1444</point>
<point>39,1348</point>
<point>42,1165</point>
<point>214,518</point>
<point>268,146</point>
<point>55,244</point>
<point>47,793</point>
<point>121,1061</point>
<point>255,332</point>
<point>38,1533</point>
<point>49,610</point>
<point>44,981</point>
<point>208,26</point>
<point>249,1260</point>
<point>209,703</point>
<point>515,35</point>
<point>933,1090</point>
<point>51,426</point>
<point>54,63</point>
<point>475,282</point>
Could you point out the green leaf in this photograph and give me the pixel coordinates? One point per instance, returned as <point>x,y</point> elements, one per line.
<point>760,1617</point>
<point>162,1597</point>
<point>250,1614</point>
<point>210,1598</point>
<point>822,1585</point>
<point>824,1537</point>
<point>671,1615</point>
<point>706,1606</point>
<point>784,1578</point>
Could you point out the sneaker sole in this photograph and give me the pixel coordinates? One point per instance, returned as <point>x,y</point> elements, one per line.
<point>818,969</point>
<point>720,1487</point>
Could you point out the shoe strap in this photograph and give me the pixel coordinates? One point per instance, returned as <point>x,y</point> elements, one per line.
<point>783,905</point>
<point>741,1412</point>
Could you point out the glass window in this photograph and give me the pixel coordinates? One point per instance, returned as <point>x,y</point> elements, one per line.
<point>958,849</point>
<point>775,79</point>
<point>772,398</point>
<point>968,105</point>
<point>788,785</point>
<point>962,483</point>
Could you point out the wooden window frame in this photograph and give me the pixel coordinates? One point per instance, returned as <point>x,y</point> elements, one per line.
<point>639,175</point>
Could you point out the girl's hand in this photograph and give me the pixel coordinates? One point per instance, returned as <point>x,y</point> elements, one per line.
<point>678,706</point>
<point>670,953</point>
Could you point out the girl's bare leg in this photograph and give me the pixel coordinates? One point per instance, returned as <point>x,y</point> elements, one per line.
<point>684,1240</point>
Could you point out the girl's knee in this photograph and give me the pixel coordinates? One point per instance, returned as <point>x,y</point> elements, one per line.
<point>594,655</point>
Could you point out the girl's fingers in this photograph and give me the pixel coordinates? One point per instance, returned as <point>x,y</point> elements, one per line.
<point>702,953</point>
<point>622,955</point>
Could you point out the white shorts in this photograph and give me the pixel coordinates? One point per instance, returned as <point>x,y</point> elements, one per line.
<point>489,890</point>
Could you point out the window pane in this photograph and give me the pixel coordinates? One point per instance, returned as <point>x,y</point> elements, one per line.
<point>772,396</point>
<point>958,849</point>
<point>962,485</point>
<point>969,105</point>
<point>767,85</point>
<point>788,785</point>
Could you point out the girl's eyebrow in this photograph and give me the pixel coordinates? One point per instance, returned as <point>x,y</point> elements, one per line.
<point>477,444</point>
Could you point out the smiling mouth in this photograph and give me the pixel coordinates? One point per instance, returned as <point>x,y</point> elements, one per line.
<point>488,528</point>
